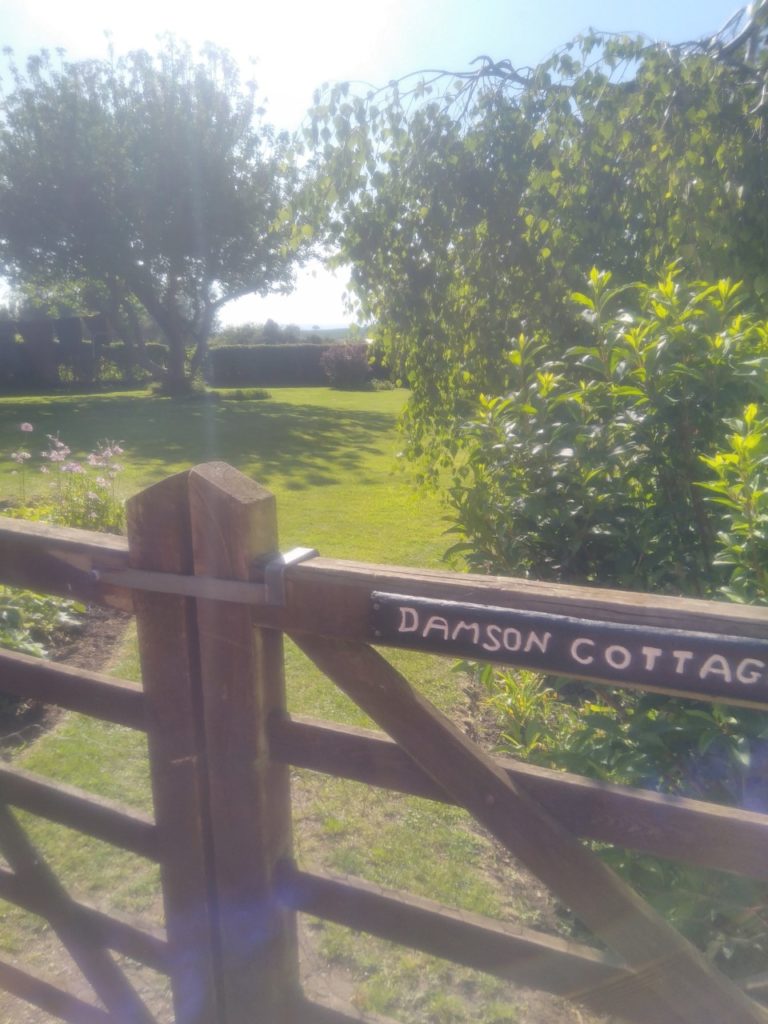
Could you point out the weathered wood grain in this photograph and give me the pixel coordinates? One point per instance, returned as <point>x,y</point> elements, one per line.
<point>672,971</point>
<point>517,954</point>
<point>81,939</point>
<point>160,540</point>
<point>332,597</point>
<point>137,940</point>
<point>76,689</point>
<point>95,816</point>
<point>60,560</point>
<point>233,525</point>
<point>692,831</point>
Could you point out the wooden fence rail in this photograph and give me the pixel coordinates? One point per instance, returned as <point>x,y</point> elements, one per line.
<point>693,831</point>
<point>201,571</point>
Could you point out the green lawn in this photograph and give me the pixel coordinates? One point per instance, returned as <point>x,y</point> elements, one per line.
<point>330,457</point>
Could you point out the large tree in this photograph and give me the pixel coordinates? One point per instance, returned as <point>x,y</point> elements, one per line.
<point>151,176</point>
<point>469,206</point>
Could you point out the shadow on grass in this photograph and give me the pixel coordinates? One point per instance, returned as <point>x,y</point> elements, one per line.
<point>305,445</point>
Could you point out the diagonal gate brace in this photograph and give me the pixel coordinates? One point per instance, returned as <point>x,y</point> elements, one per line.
<point>679,982</point>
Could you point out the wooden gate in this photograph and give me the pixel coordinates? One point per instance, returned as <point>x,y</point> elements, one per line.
<point>212,597</point>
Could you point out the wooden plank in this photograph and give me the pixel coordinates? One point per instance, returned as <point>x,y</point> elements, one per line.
<point>516,954</point>
<point>116,932</point>
<point>90,693</point>
<point>81,940</point>
<point>706,666</point>
<point>60,560</point>
<point>49,998</point>
<point>96,816</point>
<point>709,835</point>
<point>519,955</point>
<point>670,968</point>
<point>332,598</point>
<point>159,537</point>
<point>233,524</point>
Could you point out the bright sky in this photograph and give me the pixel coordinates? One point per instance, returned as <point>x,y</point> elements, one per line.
<point>292,46</point>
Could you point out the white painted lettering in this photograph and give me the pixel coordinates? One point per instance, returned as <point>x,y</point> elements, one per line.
<point>576,654</point>
<point>493,643</point>
<point>618,657</point>
<point>512,644</point>
<point>680,659</point>
<point>534,640</point>
<point>749,670</point>
<point>439,624</point>
<point>716,665</point>
<point>651,654</point>
<point>467,627</point>
<point>409,620</point>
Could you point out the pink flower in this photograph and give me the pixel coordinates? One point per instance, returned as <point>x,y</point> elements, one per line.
<point>26,427</point>
<point>71,467</point>
<point>20,456</point>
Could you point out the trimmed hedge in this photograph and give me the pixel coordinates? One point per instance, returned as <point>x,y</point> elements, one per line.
<point>267,366</point>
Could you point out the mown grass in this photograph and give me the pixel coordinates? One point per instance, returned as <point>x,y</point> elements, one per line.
<point>330,457</point>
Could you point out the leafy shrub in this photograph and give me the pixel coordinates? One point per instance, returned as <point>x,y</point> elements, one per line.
<point>29,621</point>
<point>347,366</point>
<point>590,471</point>
<point>193,388</point>
<point>704,751</point>
<point>740,490</point>
<point>245,395</point>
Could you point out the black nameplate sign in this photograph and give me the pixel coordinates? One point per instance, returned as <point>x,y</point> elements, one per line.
<point>694,664</point>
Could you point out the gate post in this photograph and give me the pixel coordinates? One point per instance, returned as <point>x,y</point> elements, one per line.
<point>222,806</point>
<point>159,540</point>
<point>234,527</point>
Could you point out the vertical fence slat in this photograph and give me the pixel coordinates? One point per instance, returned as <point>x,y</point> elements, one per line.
<point>234,525</point>
<point>159,540</point>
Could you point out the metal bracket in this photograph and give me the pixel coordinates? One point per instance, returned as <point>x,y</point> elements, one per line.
<point>274,572</point>
<point>271,591</point>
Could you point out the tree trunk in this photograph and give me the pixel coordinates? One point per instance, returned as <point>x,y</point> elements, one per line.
<point>176,380</point>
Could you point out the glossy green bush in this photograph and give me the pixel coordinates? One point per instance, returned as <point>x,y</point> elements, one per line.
<point>588,470</point>
<point>630,461</point>
<point>739,489</point>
